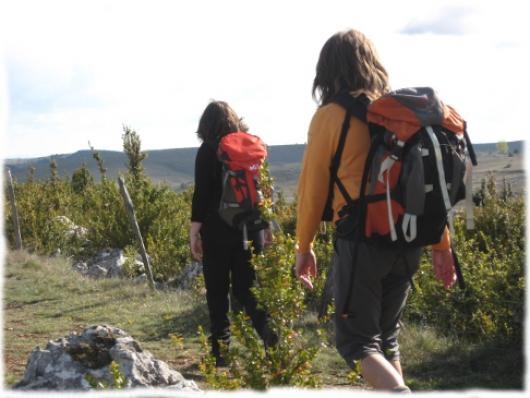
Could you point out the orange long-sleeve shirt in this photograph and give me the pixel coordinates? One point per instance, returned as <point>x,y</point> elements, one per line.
<point>323,137</point>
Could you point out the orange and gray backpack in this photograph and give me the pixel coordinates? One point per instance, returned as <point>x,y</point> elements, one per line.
<point>242,156</point>
<point>414,173</point>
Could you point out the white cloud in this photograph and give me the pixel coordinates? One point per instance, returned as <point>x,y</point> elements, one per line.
<point>448,21</point>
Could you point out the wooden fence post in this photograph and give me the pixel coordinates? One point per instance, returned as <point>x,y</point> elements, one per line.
<point>14,212</point>
<point>132,218</point>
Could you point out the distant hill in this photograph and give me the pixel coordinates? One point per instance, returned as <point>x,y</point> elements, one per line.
<point>173,166</point>
<point>176,166</point>
<point>513,146</point>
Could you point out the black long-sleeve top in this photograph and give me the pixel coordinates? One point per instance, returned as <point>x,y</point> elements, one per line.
<point>208,188</point>
<point>207,195</point>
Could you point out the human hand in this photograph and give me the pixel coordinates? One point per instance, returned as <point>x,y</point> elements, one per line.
<point>196,241</point>
<point>306,268</point>
<point>268,237</point>
<point>444,267</point>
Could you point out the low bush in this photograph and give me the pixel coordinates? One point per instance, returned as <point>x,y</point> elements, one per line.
<point>492,259</point>
<point>288,363</point>
<point>162,214</point>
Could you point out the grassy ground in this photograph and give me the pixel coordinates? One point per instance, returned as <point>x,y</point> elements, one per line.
<point>44,299</point>
<point>435,362</point>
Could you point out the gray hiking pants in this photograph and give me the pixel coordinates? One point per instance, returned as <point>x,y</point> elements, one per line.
<point>380,284</point>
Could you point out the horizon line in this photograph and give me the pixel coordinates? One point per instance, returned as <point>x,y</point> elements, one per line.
<point>173,148</point>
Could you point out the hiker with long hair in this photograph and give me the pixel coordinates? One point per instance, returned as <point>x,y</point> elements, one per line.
<point>218,245</point>
<point>374,288</point>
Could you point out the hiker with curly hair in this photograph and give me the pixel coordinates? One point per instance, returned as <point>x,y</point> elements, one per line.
<point>374,287</point>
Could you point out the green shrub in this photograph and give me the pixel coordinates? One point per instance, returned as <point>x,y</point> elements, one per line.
<point>162,214</point>
<point>288,363</point>
<point>167,237</point>
<point>39,205</point>
<point>81,179</point>
<point>492,259</point>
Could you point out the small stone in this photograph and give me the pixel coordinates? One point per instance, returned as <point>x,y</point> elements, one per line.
<point>140,279</point>
<point>189,275</point>
<point>97,271</point>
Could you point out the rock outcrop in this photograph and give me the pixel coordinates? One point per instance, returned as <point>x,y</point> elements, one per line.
<point>109,263</point>
<point>71,230</point>
<point>106,264</point>
<point>189,276</point>
<point>73,362</point>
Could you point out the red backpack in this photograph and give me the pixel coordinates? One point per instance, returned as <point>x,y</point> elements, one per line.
<point>242,155</point>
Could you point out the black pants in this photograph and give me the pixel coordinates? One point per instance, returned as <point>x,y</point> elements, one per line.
<point>226,262</point>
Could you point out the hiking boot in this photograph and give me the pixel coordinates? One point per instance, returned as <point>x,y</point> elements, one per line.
<point>220,362</point>
<point>270,338</point>
<point>219,348</point>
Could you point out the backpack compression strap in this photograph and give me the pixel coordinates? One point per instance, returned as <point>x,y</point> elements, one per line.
<point>439,167</point>
<point>354,106</point>
<point>469,145</point>
<point>458,269</point>
<point>470,222</point>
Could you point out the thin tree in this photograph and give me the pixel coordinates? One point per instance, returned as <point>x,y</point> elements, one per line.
<point>99,161</point>
<point>132,146</point>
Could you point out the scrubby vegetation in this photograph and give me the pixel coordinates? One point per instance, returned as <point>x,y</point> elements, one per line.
<point>489,312</point>
<point>162,213</point>
<point>491,308</point>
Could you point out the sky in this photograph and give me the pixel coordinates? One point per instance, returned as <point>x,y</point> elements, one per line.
<point>73,72</point>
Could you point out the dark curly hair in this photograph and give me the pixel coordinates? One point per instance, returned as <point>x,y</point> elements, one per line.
<point>217,120</point>
<point>348,62</point>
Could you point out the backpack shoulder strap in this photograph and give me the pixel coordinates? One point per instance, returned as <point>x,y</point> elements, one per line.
<point>354,106</point>
<point>469,145</point>
<point>357,106</point>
